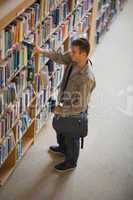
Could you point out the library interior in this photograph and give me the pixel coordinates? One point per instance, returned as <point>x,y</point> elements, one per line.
<point>30,84</point>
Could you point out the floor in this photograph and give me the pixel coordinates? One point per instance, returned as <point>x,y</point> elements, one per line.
<point>105,170</point>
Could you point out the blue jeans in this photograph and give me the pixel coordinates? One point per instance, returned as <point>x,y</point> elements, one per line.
<point>70,146</point>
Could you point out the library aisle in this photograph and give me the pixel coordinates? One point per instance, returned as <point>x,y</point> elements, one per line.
<point>105,170</point>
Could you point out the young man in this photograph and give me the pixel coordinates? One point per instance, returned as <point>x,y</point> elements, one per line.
<point>75,98</point>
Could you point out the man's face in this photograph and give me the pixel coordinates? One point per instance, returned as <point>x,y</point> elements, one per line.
<point>76,54</point>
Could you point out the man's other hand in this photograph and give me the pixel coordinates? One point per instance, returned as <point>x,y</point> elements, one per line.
<point>37,50</point>
<point>58,110</point>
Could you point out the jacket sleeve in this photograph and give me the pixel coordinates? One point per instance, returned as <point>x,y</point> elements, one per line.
<point>58,57</point>
<point>76,101</point>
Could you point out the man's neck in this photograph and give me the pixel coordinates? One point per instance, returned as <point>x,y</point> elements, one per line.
<point>82,63</point>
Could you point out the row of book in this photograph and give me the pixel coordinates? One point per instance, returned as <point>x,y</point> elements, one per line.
<point>65,22</point>
<point>12,114</point>
<point>19,29</point>
<point>48,74</point>
<point>6,147</point>
<point>13,138</point>
<point>55,19</point>
<point>81,11</point>
<point>15,62</point>
<point>103,21</point>
<point>22,125</point>
<point>41,100</point>
<point>49,6</point>
<point>18,59</point>
<point>49,80</point>
<point>107,9</point>
<point>56,39</point>
<point>13,90</point>
<point>56,78</point>
<point>42,117</point>
<point>20,131</point>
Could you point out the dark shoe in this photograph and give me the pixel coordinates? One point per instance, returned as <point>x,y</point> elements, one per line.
<point>56,150</point>
<point>64,167</point>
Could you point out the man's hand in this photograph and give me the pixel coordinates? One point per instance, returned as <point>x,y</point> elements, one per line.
<point>58,110</point>
<point>37,50</point>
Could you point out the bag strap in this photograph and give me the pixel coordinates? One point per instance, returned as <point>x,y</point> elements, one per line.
<point>66,82</point>
<point>90,62</point>
<point>82,142</point>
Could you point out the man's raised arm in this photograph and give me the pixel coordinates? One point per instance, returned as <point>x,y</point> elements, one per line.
<point>57,57</point>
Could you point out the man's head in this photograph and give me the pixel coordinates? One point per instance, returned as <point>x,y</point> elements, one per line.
<point>80,49</point>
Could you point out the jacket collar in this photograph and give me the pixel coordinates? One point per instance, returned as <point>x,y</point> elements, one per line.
<point>85,68</point>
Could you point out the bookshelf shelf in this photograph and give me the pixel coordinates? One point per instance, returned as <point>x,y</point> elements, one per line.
<point>16,8</point>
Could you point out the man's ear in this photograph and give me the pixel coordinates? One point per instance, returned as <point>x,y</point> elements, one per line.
<point>84,54</point>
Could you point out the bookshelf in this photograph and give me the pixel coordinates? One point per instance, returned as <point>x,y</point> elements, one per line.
<point>16,8</point>
<point>106,12</point>
<point>29,84</point>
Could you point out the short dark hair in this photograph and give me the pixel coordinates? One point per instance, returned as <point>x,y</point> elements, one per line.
<point>83,45</point>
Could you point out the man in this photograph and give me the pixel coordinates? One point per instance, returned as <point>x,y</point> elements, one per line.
<point>75,98</point>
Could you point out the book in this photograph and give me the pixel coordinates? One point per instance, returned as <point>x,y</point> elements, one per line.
<point>19,150</point>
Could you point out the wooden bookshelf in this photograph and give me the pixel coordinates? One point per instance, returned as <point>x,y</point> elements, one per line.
<point>93,26</point>
<point>10,9</point>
